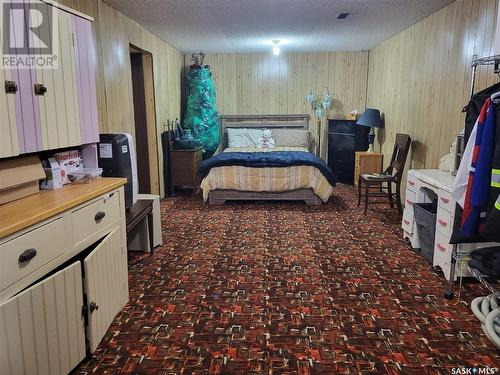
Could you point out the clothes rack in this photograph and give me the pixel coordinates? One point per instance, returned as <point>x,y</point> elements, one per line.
<point>458,257</point>
<point>481,61</point>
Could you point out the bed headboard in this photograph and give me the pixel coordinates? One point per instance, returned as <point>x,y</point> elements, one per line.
<point>262,122</point>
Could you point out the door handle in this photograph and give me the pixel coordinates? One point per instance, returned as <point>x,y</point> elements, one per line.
<point>93,306</point>
<point>99,216</point>
<point>10,87</point>
<point>27,255</point>
<point>40,89</point>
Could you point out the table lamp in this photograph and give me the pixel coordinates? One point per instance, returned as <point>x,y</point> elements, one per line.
<point>371,117</point>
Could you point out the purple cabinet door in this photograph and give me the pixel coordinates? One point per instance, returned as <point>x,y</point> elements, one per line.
<point>29,133</point>
<point>85,80</point>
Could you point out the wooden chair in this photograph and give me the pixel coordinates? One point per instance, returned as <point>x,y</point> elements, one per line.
<point>392,174</point>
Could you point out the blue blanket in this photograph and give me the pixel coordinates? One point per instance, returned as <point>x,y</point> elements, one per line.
<point>268,159</point>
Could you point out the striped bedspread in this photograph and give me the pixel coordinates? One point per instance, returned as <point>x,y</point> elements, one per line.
<point>266,179</point>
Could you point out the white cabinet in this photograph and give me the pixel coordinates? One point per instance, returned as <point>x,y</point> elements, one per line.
<point>57,304</point>
<point>42,329</point>
<point>422,187</point>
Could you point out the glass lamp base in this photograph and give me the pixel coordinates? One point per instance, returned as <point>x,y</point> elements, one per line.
<point>371,140</point>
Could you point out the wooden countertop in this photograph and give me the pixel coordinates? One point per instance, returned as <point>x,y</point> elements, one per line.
<point>22,213</point>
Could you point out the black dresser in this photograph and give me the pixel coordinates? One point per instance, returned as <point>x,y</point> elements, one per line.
<point>344,139</point>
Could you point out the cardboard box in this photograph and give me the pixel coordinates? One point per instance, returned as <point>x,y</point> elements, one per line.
<point>19,177</point>
<point>69,161</point>
<point>53,179</point>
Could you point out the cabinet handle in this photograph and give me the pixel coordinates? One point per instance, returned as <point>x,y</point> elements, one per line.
<point>27,255</point>
<point>442,222</point>
<point>40,89</point>
<point>444,200</point>
<point>441,247</point>
<point>411,183</point>
<point>409,202</point>
<point>99,216</point>
<point>108,196</point>
<point>407,222</point>
<point>10,87</point>
<point>93,306</point>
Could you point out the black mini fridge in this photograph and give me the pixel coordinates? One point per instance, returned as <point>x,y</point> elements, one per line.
<point>117,159</point>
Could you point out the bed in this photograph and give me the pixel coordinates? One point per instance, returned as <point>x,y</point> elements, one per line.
<point>289,172</point>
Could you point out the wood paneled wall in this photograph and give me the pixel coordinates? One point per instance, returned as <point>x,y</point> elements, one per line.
<point>260,83</point>
<point>420,78</point>
<point>113,33</point>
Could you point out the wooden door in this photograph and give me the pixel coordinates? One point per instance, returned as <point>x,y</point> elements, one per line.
<point>141,63</point>
<point>42,330</point>
<point>105,285</point>
<point>141,123</point>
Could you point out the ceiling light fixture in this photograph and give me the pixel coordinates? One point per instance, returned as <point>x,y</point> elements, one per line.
<point>276,48</point>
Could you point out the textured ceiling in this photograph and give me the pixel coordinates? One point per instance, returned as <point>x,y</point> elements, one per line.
<point>250,25</point>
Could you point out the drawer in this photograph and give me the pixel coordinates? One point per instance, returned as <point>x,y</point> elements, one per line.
<point>442,252</point>
<point>444,222</point>
<point>407,222</point>
<point>95,216</point>
<point>48,241</point>
<point>410,198</point>
<point>342,126</point>
<point>341,142</point>
<point>343,156</point>
<point>411,183</point>
<point>442,245</point>
<point>446,202</point>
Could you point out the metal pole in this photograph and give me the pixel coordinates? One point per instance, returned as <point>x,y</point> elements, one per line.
<point>473,78</point>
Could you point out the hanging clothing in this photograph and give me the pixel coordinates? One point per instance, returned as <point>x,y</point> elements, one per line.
<point>459,187</point>
<point>483,181</point>
<point>477,186</point>
<point>491,228</point>
<point>473,108</point>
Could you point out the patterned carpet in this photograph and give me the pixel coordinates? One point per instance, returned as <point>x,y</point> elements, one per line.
<point>283,288</point>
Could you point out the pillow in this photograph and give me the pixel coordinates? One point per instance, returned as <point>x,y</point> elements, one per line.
<point>244,137</point>
<point>292,138</point>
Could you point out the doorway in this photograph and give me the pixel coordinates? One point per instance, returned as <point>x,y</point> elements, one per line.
<point>141,63</point>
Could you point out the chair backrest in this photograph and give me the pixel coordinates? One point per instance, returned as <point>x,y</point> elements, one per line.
<point>399,155</point>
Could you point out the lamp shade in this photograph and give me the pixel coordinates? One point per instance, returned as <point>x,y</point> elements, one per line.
<point>371,117</point>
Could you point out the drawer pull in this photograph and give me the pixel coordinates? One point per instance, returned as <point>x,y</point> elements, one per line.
<point>407,222</point>
<point>444,200</point>
<point>99,216</point>
<point>27,255</point>
<point>441,247</point>
<point>409,202</point>
<point>10,87</point>
<point>108,196</point>
<point>93,306</point>
<point>442,222</point>
<point>411,183</point>
<point>39,89</point>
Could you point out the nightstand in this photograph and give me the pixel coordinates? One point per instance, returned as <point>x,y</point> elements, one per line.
<point>367,162</point>
<point>184,167</point>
